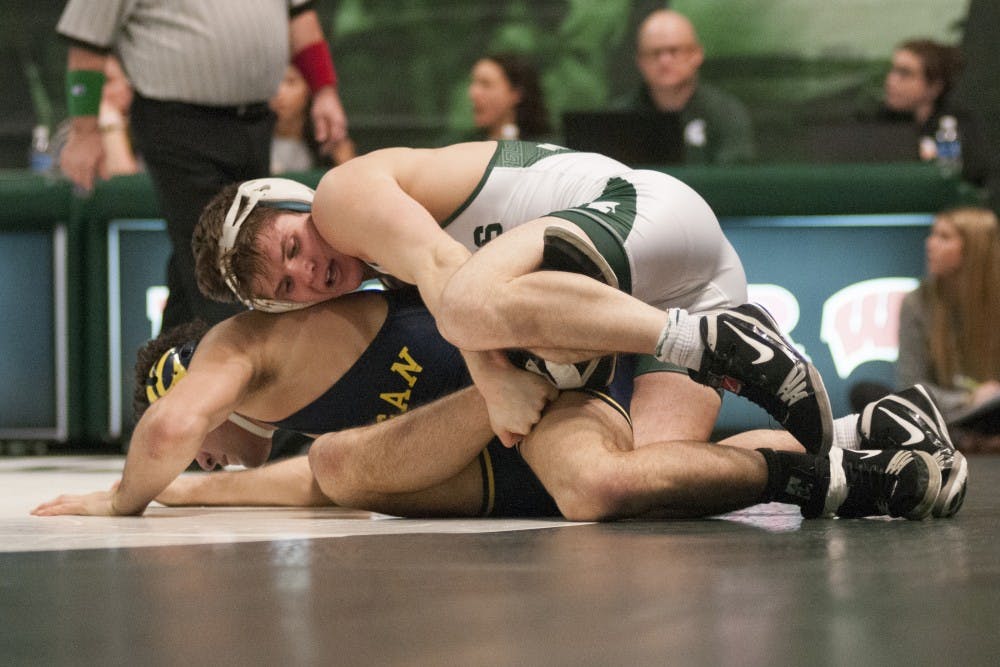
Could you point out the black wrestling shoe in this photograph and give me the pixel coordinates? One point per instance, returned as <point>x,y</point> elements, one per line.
<point>566,251</point>
<point>909,419</point>
<point>746,354</point>
<point>890,482</point>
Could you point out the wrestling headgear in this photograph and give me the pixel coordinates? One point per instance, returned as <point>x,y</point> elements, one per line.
<point>280,193</point>
<point>171,369</point>
<point>168,370</point>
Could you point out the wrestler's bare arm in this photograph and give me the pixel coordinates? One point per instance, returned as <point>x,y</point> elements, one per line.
<point>363,209</point>
<point>420,463</point>
<point>385,209</point>
<point>169,434</point>
<point>420,449</point>
<point>287,483</point>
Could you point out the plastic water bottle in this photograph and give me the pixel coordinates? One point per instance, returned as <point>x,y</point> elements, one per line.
<point>949,147</point>
<point>40,157</point>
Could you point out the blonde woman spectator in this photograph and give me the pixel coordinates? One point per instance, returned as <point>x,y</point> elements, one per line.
<point>948,325</point>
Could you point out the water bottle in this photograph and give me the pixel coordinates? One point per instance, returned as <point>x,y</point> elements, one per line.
<point>949,148</point>
<point>40,157</point>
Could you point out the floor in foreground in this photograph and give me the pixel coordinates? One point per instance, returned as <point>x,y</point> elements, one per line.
<point>262,586</point>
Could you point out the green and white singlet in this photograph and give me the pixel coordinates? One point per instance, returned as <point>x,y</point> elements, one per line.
<point>660,236</point>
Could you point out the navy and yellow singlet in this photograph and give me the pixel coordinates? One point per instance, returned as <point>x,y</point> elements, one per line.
<point>409,364</point>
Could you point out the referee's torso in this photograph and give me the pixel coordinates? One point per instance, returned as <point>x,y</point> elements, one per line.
<point>206,52</point>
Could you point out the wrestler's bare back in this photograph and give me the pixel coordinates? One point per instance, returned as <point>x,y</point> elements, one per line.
<point>296,358</point>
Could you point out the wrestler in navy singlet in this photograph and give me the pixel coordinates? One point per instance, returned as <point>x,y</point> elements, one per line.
<point>409,364</point>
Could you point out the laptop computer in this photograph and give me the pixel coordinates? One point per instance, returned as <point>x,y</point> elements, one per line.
<point>635,138</point>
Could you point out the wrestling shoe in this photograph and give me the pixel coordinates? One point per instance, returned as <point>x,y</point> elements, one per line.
<point>566,251</point>
<point>909,419</point>
<point>746,354</point>
<point>893,482</point>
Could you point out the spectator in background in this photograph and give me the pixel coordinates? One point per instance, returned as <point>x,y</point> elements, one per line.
<point>917,86</point>
<point>202,74</point>
<point>716,125</point>
<point>947,326</point>
<point>294,146</point>
<point>948,337</point>
<point>507,99</point>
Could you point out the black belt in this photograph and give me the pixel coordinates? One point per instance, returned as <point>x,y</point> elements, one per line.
<point>253,110</point>
<point>245,110</point>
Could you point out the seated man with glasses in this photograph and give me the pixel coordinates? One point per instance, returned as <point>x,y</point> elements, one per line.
<point>716,126</point>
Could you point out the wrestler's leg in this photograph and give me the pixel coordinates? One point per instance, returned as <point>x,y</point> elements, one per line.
<point>284,483</point>
<point>491,303</point>
<point>582,452</point>
<point>659,236</point>
<point>514,307</point>
<point>775,439</point>
<point>290,483</point>
<point>411,452</point>
<point>693,411</point>
<point>459,496</point>
<point>671,406</point>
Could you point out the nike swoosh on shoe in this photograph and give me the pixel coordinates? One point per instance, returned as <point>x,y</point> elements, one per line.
<point>916,435</point>
<point>764,353</point>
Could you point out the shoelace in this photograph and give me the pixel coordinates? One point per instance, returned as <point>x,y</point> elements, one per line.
<point>874,479</point>
<point>754,380</point>
<point>933,443</point>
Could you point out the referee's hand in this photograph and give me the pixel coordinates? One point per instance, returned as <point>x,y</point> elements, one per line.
<point>83,152</point>
<point>329,119</point>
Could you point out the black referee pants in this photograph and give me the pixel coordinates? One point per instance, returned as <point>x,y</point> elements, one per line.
<point>192,152</point>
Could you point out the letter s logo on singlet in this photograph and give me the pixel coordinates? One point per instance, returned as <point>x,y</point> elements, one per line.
<point>484,234</point>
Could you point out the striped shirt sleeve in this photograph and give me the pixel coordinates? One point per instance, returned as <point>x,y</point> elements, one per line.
<point>93,23</point>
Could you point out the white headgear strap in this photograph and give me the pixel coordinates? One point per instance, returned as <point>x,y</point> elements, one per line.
<point>274,192</point>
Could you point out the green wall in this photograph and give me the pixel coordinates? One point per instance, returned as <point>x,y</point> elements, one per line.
<point>404,63</point>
